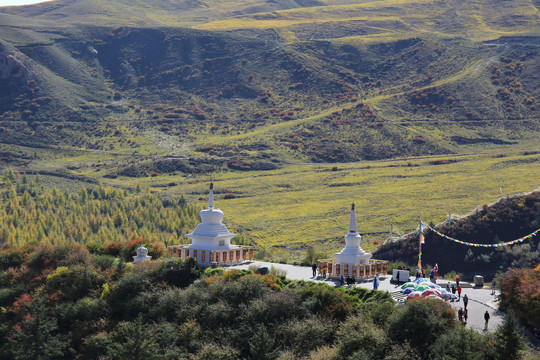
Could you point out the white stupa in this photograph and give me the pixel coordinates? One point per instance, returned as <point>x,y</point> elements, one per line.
<point>142,255</point>
<point>211,234</point>
<point>352,253</point>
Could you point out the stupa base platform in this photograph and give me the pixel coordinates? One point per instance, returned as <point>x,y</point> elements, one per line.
<point>335,270</point>
<point>205,258</point>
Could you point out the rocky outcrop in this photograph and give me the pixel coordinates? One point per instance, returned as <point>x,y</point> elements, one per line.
<point>12,68</point>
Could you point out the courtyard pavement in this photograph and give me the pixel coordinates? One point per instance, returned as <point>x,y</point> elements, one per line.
<point>480,299</point>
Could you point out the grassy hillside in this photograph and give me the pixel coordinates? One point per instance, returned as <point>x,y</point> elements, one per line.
<point>297,80</point>
<point>396,96</point>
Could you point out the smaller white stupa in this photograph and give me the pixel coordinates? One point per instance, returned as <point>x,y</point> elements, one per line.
<point>142,255</point>
<point>352,254</point>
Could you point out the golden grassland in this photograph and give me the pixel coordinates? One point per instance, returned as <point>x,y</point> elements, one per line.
<point>468,19</point>
<point>450,18</point>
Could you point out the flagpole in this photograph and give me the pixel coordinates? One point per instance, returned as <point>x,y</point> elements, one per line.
<point>420,241</point>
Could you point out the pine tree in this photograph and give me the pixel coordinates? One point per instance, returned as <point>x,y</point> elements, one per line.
<point>36,338</point>
<point>261,345</point>
<point>134,341</point>
<point>510,344</point>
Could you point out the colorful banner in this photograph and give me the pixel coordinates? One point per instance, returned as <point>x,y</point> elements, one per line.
<point>520,240</point>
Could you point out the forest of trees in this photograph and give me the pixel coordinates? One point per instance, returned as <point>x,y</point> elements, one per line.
<point>64,302</point>
<point>29,213</point>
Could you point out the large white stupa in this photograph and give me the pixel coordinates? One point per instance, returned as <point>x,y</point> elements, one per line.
<point>211,234</point>
<point>211,240</point>
<point>352,253</point>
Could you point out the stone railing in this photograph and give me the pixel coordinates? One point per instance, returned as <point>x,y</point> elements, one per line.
<point>234,256</point>
<point>357,271</point>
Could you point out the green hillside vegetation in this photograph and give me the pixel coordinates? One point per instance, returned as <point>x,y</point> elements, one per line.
<point>507,220</point>
<point>65,302</point>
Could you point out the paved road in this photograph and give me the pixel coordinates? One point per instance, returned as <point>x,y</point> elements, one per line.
<point>480,299</point>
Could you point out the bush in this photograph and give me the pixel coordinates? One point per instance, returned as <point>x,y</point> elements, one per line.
<point>302,336</point>
<point>429,317</point>
<point>75,282</point>
<point>113,249</point>
<point>214,271</point>
<point>177,272</point>
<point>326,300</point>
<point>105,262</point>
<point>95,248</point>
<point>10,258</point>
<point>212,351</point>
<point>519,292</point>
<point>356,334</point>
<point>462,343</point>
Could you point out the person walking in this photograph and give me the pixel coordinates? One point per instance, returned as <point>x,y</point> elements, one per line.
<point>341,280</point>
<point>314,269</point>
<point>493,284</point>
<point>460,315</point>
<point>465,315</point>
<point>459,292</point>
<point>457,280</point>
<point>375,283</point>
<point>465,301</point>
<point>486,317</point>
<point>397,277</point>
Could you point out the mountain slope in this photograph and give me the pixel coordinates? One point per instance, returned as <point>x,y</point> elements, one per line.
<point>259,81</point>
<point>508,219</point>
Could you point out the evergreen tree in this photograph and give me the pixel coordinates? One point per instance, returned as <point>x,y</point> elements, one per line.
<point>36,337</point>
<point>261,345</point>
<point>510,344</point>
<point>133,341</point>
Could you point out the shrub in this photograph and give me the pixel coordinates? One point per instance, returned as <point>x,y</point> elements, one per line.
<point>359,334</point>
<point>177,272</point>
<point>520,291</point>
<point>214,271</point>
<point>302,336</point>
<point>212,351</point>
<point>105,262</point>
<point>11,258</point>
<point>430,317</point>
<point>113,248</point>
<point>462,343</point>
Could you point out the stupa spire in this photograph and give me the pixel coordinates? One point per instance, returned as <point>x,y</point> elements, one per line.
<point>211,197</point>
<point>353,227</point>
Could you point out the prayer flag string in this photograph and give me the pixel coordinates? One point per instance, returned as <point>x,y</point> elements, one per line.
<point>520,240</point>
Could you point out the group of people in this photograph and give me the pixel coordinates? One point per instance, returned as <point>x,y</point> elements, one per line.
<point>321,273</point>
<point>349,280</point>
<point>454,289</point>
